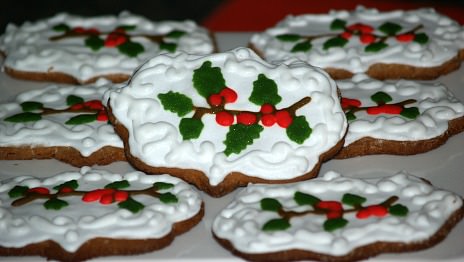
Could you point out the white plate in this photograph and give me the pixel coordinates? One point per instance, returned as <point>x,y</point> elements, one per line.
<point>443,167</point>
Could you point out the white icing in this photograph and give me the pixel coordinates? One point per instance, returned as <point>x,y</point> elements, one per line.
<point>429,208</point>
<point>73,225</point>
<point>51,130</point>
<point>436,105</point>
<point>28,47</point>
<point>155,139</point>
<point>446,38</point>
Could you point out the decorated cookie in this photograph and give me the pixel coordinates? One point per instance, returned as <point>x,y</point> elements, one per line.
<point>74,216</point>
<point>225,120</point>
<point>73,49</point>
<point>415,44</point>
<point>401,118</point>
<point>336,218</point>
<point>68,123</point>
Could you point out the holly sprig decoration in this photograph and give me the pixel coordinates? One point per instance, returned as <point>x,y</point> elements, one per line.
<point>350,106</point>
<point>118,38</point>
<point>333,210</point>
<point>244,126</point>
<point>87,111</point>
<point>365,33</point>
<point>115,192</point>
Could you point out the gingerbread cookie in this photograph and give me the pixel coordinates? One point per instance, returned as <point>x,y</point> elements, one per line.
<point>68,123</point>
<point>225,120</point>
<point>74,216</point>
<point>402,117</point>
<point>72,49</point>
<point>336,218</point>
<point>414,44</point>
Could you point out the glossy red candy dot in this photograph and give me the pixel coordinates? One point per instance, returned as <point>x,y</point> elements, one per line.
<point>215,100</point>
<point>229,95</point>
<point>363,28</point>
<point>78,106</point>
<point>385,109</point>
<point>405,37</point>
<point>330,205</point>
<point>283,118</point>
<point>107,199</point>
<point>268,120</point>
<point>120,196</point>
<point>102,116</point>
<point>224,118</point>
<point>39,190</point>
<point>115,39</point>
<point>374,210</point>
<point>367,38</point>
<point>267,109</point>
<point>66,189</point>
<point>349,102</point>
<point>346,35</point>
<point>334,214</point>
<point>78,30</point>
<point>94,104</point>
<point>246,118</point>
<point>96,194</point>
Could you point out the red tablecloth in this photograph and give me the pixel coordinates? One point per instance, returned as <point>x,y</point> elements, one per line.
<point>256,15</point>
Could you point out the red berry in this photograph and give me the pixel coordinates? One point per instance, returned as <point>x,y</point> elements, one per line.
<point>334,214</point>
<point>348,102</point>
<point>405,37</point>
<point>330,205</point>
<point>107,199</point>
<point>363,28</point>
<point>39,190</point>
<point>284,119</point>
<point>121,196</point>
<point>78,30</point>
<point>229,95</point>
<point>224,118</point>
<point>96,194</point>
<point>268,120</point>
<point>66,189</point>
<point>115,39</point>
<point>215,100</point>
<point>374,210</point>
<point>267,109</point>
<point>94,104</point>
<point>102,116</point>
<point>346,35</point>
<point>246,118</point>
<point>385,109</point>
<point>367,38</point>
<point>92,31</point>
<point>77,106</point>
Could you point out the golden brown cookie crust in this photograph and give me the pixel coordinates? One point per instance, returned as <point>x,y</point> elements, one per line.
<point>98,247</point>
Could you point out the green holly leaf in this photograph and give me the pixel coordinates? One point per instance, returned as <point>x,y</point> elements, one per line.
<point>170,47</point>
<point>127,27</point>
<point>264,91</point>
<point>410,112</point>
<point>350,116</point>
<point>94,42</point>
<point>163,185</point>
<point>18,191</point>
<point>390,28</point>
<point>176,34</point>
<point>31,106</point>
<point>288,37</point>
<point>72,184</point>
<point>375,47</point>
<point>335,42</point>
<point>24,117</point>
<point>240,136</point>
<point>270,204</point>
<point>335,223</point>
<point>118,184</point>
<point>338,24</point>
<point>208,80</point>
<point>81,119</point>
<point>176,102</point>
<point>131,49</point>
<point>381,98</point>
<point>299,130</point>
<point>305,199</point>
<point>55,204</point>
<point>353,200</point>
<point>61,28</point>
<point>398,210</point>
<point>421,38</point>
<point>302,47</point>
<point>190,128</point>
<point>277,224</point>
<point>73,99</point>
<point>168,198</point>
<point>132,205</point>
